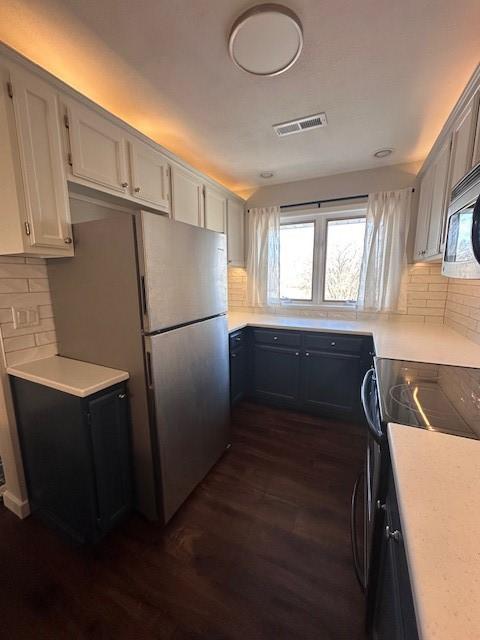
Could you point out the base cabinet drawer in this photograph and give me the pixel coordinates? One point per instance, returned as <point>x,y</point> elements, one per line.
<point>277,338</point>
<point>76,456</point>
<point>276,374</point>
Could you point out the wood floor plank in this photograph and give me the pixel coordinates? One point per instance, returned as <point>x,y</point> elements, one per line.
<point>260,550</point>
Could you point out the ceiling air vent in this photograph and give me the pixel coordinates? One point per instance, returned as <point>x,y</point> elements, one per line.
<point>301,124</point>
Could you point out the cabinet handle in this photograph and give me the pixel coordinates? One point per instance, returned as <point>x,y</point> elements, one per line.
<point>396,536</point>
<point>67,240</point>
<point>124,185</point>
<point>122,396</point>
<point>137,189</point>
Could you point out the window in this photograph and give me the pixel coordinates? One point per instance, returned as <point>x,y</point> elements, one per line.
<point>321,255</point>
<point>296,260</point>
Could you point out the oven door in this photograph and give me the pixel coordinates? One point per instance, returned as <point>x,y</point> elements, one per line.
<point>368,480</point>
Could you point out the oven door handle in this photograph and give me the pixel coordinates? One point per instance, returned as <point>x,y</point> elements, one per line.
<point>374,428</point>
<point>476,230</point>
<point>353,532</point>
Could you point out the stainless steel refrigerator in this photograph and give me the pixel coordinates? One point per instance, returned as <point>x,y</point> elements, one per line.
<point>147,294</point>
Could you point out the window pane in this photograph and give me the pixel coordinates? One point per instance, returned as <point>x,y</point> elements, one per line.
<point>343,259</point>
<point>296,260</point>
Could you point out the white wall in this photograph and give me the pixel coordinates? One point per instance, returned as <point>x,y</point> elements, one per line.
<point>397,176</point>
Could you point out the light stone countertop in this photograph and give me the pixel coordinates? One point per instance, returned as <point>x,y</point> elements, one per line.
<point>437,478</point>
<point>414,341</point>
<point>75,377</point>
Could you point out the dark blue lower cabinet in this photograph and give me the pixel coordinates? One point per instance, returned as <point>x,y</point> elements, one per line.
<point>393,607</point>
<point>331,382</point>
<point>77,457</point>
<point>238,374</point>
<point>276,374</point>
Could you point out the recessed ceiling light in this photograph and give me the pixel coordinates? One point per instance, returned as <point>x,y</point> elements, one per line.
<point>383,153</point>
<point>266,40</point>
<point>266,174</point>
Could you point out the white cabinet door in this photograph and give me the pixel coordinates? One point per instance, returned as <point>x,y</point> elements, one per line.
<point>423,214</point>
<point>187,197</point>
<point>45,186</point>
<point>215,210</point>
<point>235,233</point>
<point>150,175</point>
<point>98,148</point>
<point>440,195</point>
<point>463,140</point>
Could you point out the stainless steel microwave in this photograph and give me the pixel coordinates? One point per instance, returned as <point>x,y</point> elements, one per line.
<point>461,257</point>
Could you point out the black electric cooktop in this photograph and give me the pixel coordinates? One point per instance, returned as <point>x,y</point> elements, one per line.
<point>430,396</point>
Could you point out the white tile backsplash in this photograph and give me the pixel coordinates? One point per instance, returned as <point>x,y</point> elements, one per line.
<point>24,283</point>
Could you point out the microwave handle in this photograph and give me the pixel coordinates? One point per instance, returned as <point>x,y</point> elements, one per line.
<point>476,230</point>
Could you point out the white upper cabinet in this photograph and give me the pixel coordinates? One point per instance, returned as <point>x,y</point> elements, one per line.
<point>215,210</point>
<point>423,214</point>
<point>150,175</point>
<point>47,216</point>
<point>463,140</point>
<point>432,206</point>
<point>187,197</point>
<point>97,148</point>
<point>235,233</point>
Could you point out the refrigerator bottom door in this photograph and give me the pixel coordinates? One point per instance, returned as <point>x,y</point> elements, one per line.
<point>190,384</point>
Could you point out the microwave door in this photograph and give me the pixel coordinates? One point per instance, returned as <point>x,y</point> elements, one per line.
<point>459,260</point>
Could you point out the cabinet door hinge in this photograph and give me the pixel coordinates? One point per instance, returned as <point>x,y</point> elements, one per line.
<point>27,228</point>
<point>10,89</point>
<point>66,121</point>
<point>69,159</point>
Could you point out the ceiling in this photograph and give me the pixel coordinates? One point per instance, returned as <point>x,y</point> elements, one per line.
<point>386,72</point>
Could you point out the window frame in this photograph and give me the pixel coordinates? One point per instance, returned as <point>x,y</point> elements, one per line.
<point>320,218</point>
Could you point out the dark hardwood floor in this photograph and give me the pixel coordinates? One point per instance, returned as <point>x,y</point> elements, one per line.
<point>261,550</point>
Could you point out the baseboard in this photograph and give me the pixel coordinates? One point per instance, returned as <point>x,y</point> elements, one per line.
<point>20,508</point>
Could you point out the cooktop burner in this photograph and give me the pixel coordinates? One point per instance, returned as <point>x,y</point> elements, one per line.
<point>430,396</point>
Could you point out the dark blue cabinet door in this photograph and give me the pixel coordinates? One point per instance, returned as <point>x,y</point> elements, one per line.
<point>109,431</point>
<point>238,373</point>
<point>276,374</point>
<point>331,381</point>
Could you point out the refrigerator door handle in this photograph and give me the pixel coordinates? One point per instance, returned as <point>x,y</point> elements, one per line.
<point>148,360</point>
<point>143,294</point>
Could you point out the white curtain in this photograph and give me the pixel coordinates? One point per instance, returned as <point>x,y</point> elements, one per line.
<point>263,257</point>
<point>385,252</point>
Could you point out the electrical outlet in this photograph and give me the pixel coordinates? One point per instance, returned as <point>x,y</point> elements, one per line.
<point>25,317</point>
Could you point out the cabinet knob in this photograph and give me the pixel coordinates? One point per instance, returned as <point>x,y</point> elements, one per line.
<point>234,355</point>
<point>275,337</point>
<point>238,339</point>
<point>124,185</point>
<point>392,535</point>
<point>380,506</point>
<point>307,354</point>
<point>68,240</point>
<point>122,396</point>
<point>297,353</point>
<point>332,344</point>
<point>137,189</point>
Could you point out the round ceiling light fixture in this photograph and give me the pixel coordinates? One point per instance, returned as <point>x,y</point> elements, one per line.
<point>266,174</point>
<point>266,40</point>
<point>383,153</point>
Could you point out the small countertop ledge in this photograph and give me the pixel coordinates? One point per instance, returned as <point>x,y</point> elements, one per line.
<point>437,481</point>
<point>75,377</point>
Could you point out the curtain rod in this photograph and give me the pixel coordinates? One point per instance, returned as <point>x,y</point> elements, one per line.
<point>320,202</point>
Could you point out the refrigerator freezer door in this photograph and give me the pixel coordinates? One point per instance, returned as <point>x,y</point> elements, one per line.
<point>190,386</point>
<point>184,269</point>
